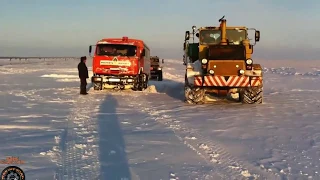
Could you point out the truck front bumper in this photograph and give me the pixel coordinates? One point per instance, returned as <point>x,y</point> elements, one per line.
<point>227,81</point>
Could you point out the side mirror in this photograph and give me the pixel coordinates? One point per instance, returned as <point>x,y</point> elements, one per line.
<point>90,49</point>
<point>143,53</point>
<point>197,34</point>
<point>257,36</point>
<point>187,36</point>
<point>162,61</point>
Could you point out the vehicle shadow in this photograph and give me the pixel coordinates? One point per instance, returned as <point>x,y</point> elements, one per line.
<point>113,158</point>
<point>172,88</point>
<point>175,90</point>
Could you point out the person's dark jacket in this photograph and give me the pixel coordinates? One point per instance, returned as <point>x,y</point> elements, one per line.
<point>83,70</point>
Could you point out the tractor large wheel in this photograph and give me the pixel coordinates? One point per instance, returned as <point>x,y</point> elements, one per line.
<point>252,95</point>
<point>194,95</point>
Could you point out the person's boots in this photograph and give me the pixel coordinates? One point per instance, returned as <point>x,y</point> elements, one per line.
<point>83,92</point>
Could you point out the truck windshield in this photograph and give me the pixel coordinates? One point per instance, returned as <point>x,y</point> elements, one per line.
<point>214,36</point>
<point>116,50</point>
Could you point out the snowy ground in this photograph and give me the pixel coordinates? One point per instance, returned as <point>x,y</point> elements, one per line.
<point>148,135</point>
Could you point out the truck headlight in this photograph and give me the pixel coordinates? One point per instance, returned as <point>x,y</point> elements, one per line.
<point>249,61</point>
<point>211,71</point>
<point>204,61</point>
<point>241,71</point>
<point>159,68</point>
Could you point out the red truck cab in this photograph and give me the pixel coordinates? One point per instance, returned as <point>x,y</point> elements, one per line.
<point>120,63</point>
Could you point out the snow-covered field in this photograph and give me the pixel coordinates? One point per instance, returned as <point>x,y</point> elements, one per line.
<point>155,135</point>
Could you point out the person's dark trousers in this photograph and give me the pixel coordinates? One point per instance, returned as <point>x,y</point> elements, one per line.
<point>83,86</point>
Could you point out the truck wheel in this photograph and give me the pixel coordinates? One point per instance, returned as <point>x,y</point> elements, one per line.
<point>251,95</point>
<point>160,76</point>
<point>142,82</point>
<point>146,81</point>
<point>194,95</point>
<point>97,86</point>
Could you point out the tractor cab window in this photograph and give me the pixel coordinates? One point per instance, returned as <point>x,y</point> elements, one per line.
<point>210,36</point>
<point>236,36</point>
<point>214,36</point>
<point>116,50</point>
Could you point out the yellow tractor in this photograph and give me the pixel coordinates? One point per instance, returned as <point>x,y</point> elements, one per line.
<point>156,68</point>
<point>220,63</point>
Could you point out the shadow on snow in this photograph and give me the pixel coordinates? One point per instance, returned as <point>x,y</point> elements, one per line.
<point>172,88</point>
<point>113,159</point>
<point>175,90</point>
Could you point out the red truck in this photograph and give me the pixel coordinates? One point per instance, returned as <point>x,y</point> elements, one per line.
<point>120,63</point>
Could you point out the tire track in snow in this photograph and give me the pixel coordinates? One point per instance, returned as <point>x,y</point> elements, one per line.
<point>225,164</point>
<point>79,150</point>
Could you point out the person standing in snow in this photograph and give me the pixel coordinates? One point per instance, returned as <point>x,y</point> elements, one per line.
<point>83,75</point>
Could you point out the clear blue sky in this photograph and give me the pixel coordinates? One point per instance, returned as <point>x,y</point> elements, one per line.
<point>290,29</point>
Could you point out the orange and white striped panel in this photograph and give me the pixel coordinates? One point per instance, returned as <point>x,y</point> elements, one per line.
<point>198,81</point>
<point>233,81</point>
<point>238,81</point>
<point>256,81</point>
<point>214,81</point>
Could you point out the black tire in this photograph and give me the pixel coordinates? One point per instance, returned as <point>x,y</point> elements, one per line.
<point>194,95</point>
<point>97,86</point>
<point>146,83</point>
<point>160,76</point>
<point>252,95</point>
<point>141,84</point>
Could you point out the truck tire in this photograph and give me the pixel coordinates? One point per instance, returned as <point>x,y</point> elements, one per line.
<point>97,86</point>
<point>251,95</point>
<point>146,82</point>
<point>160,76</point>
<point>142,83</point>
